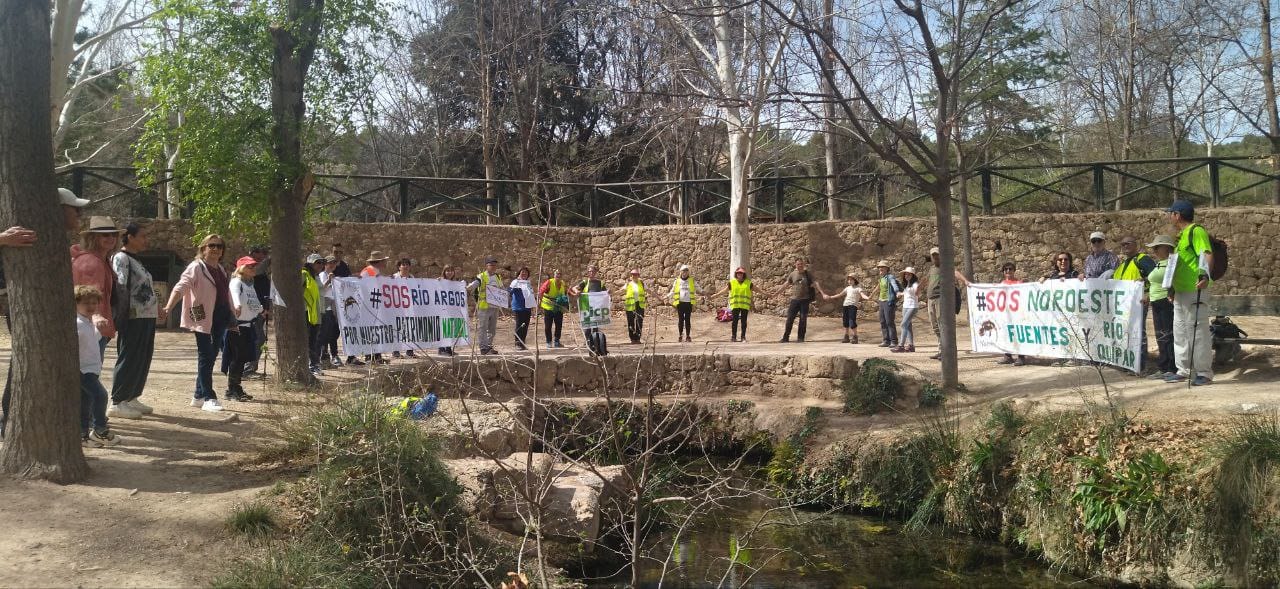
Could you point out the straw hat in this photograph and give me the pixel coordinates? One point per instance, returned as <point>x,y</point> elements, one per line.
<point>376,256</point>
<point>1163,240</point>
<point>102,225</point>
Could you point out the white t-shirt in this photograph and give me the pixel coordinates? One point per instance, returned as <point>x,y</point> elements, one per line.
<point>326,290</point>
<point>243,296</point>
<point>87,337</point>
<point>911,296</point>
<point>852,295</point>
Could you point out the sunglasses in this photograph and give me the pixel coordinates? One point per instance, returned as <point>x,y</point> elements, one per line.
<point>216,246</point>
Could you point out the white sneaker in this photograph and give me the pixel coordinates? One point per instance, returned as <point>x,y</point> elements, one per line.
<point>197,402</point>
<point>139,407</point>
<point>124,410</point>
<point>211,405</point>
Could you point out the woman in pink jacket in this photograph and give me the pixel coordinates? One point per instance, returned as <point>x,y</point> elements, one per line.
<point>89,267</point>
<point>204,289</point>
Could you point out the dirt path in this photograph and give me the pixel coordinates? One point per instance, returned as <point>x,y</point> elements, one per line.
<point>185,464</point>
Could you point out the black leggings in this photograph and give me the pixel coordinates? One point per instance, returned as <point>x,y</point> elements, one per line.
<point>522,325</point>
<point>738,315</point>
<point>550,320</point>
<point>684,311</point>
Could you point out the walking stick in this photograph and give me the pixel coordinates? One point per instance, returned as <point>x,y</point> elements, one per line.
<point>1195,330</point>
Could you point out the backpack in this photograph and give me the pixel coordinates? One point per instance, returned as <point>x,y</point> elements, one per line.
<point>1218,259</point>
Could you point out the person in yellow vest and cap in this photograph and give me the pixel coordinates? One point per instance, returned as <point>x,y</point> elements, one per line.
<point>1136,266</point>
<point>684,295</point>
<point>741,292</point>
<point>633,302</point>
<point>555,300</point>
<point>486,314</point>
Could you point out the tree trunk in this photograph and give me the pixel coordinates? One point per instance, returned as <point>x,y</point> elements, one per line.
<point>42,435</point>
<point>946,273</point>
<point>294,48</point>
<point>829,112</point>
<point>739,203</point>
<point>1269,86</point>
<point>966,232</point>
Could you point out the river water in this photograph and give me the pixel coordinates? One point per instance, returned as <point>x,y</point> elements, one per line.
<point>802,550</point>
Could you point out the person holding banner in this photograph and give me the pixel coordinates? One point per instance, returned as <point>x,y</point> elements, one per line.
<point>448,273</point>
<point>633,302</point>
<point>486,314</point>
<point>1161,306</point>
<point>1062,268</point>
<point>1010,272</point>
<point>887,299</point>
<point>404,269</point>
<point>588,285</point>
<point>1188,281</point>
<point>554,302</point>
<point>1136,267</point>
<point>522,305</point>
<point>684,295</point>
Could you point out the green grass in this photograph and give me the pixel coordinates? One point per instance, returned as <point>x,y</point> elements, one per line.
<point>873,389</point>
<point>1245,497</point>
<point>254,519</point>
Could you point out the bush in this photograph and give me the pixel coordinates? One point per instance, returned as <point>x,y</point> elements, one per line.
<point>1243,519</point>
<point>931,395</point>
<point>252,519</point>
<point>873,389</point>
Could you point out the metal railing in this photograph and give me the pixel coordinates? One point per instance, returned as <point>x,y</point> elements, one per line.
<point>1024,188</point>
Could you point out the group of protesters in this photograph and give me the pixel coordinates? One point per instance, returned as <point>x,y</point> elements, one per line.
<point>228,312</point>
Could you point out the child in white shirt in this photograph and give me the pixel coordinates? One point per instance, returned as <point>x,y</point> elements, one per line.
<point>94,432</point>
<point>852,295</point>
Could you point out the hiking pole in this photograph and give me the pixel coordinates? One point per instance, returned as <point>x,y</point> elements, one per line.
<point>1195,330</point>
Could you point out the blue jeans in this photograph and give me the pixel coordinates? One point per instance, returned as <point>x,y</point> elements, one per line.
<point>888,331</point>
<point>93,404</point>
<point>207,345</point>
<point>907,337</point>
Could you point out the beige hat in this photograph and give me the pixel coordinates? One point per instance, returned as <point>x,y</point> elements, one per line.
<point>102,225</point>
<point>376,256</point>
<point>909,270</point>
<point>883,264</point>
<point>1163,240</point>
<point>935,250</point>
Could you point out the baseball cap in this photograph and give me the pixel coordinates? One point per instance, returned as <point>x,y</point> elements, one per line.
<point>491,260</point>
<point>1097,235</point>
<point>1182,207</point>
<point>70,199</point>
<point>684,267</point>
<point>313,258</point>
<point>246,261</point>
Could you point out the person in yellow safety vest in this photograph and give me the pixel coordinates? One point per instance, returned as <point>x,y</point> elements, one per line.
<point>684,295</point>
<point>486,314</point>
<point>1136,266</point>
<point>633,301</point>
<point>554,301</point>
<point>740,292</point>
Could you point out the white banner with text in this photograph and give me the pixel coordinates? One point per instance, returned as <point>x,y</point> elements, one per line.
<point>1093,320</point>
<point>384,314</point>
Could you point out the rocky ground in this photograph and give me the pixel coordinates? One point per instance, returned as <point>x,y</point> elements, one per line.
<point>151,514</point>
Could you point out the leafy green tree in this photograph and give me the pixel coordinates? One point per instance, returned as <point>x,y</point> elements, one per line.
<point>241,79</point>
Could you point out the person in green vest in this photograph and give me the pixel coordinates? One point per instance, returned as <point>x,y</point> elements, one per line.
<point>1161,307</point>
<point>555,300</point>
<point>684,295</point>
<point>741,292</point>
<point>486,314</point>
<point>887,289</point>
<point>1188,281</point>
<point>633,301</point>
<point>1136,267</point>
<point>311,299</point>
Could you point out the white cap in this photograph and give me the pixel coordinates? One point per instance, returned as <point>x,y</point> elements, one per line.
<point>70,199</point>
<point>935,251</point>
<point>1097,235</point>
<point>684,267</point>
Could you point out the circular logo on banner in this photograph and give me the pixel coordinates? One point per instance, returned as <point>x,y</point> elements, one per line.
<point>987,330</point>
<point>351,309</point>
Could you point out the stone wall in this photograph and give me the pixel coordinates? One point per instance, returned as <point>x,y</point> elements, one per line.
<point>834,247</point>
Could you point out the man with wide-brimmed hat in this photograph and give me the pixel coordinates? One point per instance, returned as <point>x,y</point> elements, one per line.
<point>376,265</point>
